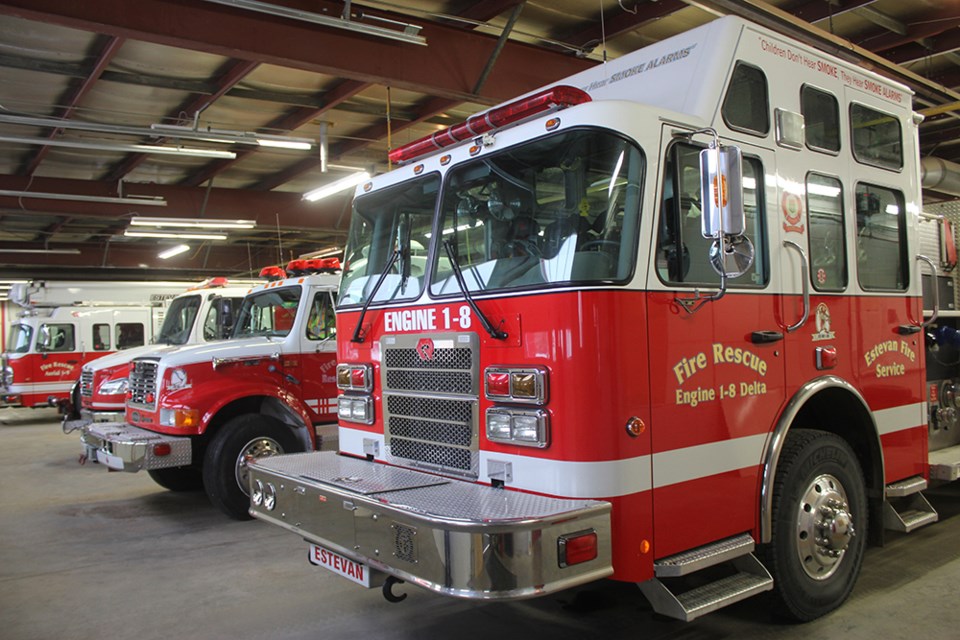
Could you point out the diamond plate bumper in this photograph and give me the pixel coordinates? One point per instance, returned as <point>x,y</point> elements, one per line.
<point>122,447</point>
<point>449,536</point>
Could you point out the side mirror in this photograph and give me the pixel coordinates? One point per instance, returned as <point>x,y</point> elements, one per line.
<point>721,192</point>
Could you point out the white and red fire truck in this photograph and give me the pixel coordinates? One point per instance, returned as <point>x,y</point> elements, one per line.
<point>204,313</point>
<point>196,415</point>
<point>660,322</point>
<point>63,325</point>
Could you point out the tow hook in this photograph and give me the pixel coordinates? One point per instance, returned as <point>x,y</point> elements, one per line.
<point>388,590</point>
<point>82,459</point>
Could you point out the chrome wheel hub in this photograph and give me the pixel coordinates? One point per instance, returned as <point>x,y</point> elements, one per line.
<point>824,527</point>
<point>258,448</point>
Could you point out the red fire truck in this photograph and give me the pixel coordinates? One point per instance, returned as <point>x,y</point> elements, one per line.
<point>196,415</point>
<point>204,313</point>
<point>659,322</point>
<point>64,324</point>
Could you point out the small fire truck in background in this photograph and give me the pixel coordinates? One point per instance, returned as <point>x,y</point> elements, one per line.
<point>196,415</point>
<point>64,325</point>
<point>204,313</point>
<point>660,321</point>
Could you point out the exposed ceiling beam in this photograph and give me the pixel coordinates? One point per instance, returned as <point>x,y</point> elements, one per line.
<point>915,51</point>
<point>935,22</point>
<point>487,10</point>
<point>817,10</point>
<point>427,110</point>
<point>344,91</point>
<point>232,73</point>
<point>264,207</point>
<point>618,23</point>
<point>73,97</point>
<point>445,68</point>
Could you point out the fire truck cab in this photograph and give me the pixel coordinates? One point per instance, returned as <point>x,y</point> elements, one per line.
<point>64,325</point>
<point>205,313</point>
<point>660,322</point>
<point>196,415</point>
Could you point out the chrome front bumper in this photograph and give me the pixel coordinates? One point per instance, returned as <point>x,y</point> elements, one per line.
<point>449,536</point>
<point>89,417</point>
<point>122,447</point>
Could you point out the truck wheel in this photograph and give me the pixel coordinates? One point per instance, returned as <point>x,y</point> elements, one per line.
<point>819,525</point>
<point>178,478</point>
<point>244,438</point>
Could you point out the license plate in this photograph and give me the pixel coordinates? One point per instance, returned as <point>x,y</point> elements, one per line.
<point>111,461</point>
<point>354,571</point>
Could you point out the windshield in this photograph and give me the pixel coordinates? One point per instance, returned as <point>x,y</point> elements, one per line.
<point>178,320</point>
<point>398,216</point>
<point>19,339</point>
<point>560,209</point>
<point>268,313</point>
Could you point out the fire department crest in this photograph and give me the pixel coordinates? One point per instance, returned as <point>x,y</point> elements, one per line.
<point>822,318</point>
<point>425,349</point>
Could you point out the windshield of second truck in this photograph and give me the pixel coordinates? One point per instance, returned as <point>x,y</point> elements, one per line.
<point>268,313</point>
<point>178,320</point>
<point>19,338</point>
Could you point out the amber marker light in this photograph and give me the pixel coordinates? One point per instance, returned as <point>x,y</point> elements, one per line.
<point>635,426</point>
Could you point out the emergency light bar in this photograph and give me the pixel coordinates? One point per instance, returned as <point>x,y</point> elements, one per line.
<point>301,267</point>
<point>556,97</point>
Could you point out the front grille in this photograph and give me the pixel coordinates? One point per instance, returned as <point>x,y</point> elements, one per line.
<point>143,382</point>
<point>86,383</point>
<point>430,401</point>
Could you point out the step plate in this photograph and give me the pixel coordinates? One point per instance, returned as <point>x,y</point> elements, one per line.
<point>688,562</point>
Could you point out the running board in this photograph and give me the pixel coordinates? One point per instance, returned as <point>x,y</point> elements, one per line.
<point>749,577</point>
<point>905,508</point>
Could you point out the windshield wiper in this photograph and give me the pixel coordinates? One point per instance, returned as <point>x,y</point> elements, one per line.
<point>495,333</point>
<point>363,312</point>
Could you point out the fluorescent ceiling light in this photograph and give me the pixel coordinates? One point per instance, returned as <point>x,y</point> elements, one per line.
<point>223,136</point>
<point>231,137</point>
<point>335,187</point>
<point>191,223</point>
<point>72,252</point>
<point>130,148</point>
<point>173,251</point>
<point>144,201</point>
<point>186,235</point>
<point>410,33</point>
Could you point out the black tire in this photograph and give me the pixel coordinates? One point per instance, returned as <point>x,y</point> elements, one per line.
<point>178,478</point>
<point>224,475</point>
<point>819,525</point>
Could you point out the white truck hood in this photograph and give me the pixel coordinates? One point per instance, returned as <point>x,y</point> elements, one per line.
<point>122,357</point>
<point>242,348</point>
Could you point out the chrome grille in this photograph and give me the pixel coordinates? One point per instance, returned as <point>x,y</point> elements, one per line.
<point>86,383</point>
<point>430,401</point>
<point>143,382</point>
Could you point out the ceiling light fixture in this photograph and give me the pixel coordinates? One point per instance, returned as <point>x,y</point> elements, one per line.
<point>223,136</point>
<point>409,34</point>
<point>129,148</point>
<point>143,201</point>
<point>185,235</point>
<point>173,251</point>
<point>191,223</point>
<point>71,252</point>
<point>231,137</point>
<point>337,186</point>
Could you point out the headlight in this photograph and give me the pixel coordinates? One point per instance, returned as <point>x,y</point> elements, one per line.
<point>113,387</point>
<point>530,428</point>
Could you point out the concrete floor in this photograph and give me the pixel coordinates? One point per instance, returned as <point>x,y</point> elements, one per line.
<point>89,554</point>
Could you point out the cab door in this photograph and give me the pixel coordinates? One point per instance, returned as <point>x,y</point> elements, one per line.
<point>318,359</point>
<point>716,366</point>
<point>59,362</point>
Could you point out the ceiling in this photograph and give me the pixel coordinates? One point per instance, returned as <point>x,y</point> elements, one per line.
<point>121,67</point>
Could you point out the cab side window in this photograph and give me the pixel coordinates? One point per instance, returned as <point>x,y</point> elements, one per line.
<point>746,107</point>
<point>821,119</point>
<point>683,254</point>
<point>828,254</point>
<point>322,323</point>
<point>101,337</point>
<point>877,139</point>
<point>130,334</point>
<point>881,238</point>
<point>56,338</point>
